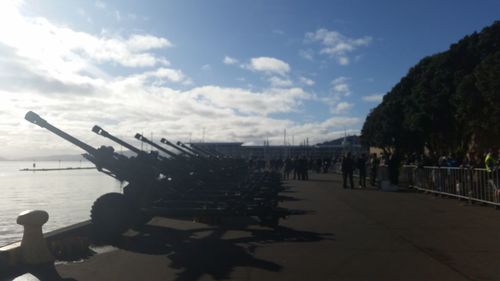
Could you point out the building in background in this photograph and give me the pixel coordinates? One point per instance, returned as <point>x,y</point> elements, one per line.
<point>330,149</point>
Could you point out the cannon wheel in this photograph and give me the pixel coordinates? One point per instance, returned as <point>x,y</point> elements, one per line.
<point>135,196</point>
<point>110,215</point>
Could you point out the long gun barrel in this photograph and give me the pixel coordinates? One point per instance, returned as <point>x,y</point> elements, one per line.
<point>37,120</point>
<point>144,139</point>
<point>188,148</point>
<point>100,131</point>
<point>167,142</point>
<point>214,154</point>
<point>199,150</point>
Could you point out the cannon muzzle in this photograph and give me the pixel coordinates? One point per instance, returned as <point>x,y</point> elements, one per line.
<point>167,142</point>
<point>146,140</point>
<point>100,131</point>
<point>35,119</point>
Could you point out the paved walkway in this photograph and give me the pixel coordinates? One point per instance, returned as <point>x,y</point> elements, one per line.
<point>352,235</point>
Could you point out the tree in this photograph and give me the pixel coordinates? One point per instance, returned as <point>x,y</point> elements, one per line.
<point>447,103</point>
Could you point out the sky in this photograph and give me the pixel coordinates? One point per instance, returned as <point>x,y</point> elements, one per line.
<point>221,70</point>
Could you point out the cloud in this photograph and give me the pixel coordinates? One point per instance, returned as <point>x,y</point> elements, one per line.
<point>337,45</point>
<point>56,45</point>
<point>340,87</point>
<point>269,65</point>
<point>278,82</point>
<point>248,102</point>
<point>373,98</point>
<point>230,60</point>
<point>306,81</point>
<point>342,107</point>
<point>206,67</point>
<point>160,76</point>
<point>307,54</point>
<point>59,73</point>
<point>138,42</point>
<point>278,32</point>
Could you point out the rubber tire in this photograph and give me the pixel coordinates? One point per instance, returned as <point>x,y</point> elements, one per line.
<point>133,194</point>
<point>110,215</point>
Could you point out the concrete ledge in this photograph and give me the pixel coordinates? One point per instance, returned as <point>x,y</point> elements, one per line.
<point>67,243</point>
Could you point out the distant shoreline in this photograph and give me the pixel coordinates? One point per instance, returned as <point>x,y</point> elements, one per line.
<point>55,169</point>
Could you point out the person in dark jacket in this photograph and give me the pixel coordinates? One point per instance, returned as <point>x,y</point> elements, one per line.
<point>374,163</point>
<point>347,170</point>
<point>361,165</point>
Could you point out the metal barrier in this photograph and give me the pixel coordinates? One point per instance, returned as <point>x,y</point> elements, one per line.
<point>472,184</point>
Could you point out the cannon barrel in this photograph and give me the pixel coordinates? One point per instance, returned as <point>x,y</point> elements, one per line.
<point>37,120</point>
<point>198,150</point>
<point>188,148</point>
<point>100,131</point>
<point>167,142</point>
<point>144,139</point>
<point>214,154</point>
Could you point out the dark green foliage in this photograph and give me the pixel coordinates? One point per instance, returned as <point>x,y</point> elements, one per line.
<point>447,103</point>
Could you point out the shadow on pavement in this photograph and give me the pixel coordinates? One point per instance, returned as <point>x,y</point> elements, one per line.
<point>201,251</point>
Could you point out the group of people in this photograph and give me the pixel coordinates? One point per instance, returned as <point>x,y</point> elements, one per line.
<point>298,167</point>
<point>487,160</point>
<point>360,163</point>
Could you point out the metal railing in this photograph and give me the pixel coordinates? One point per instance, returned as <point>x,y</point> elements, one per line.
<point>466,183</point>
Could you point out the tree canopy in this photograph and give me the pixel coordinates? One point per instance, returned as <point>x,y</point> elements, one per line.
<point>447,103</point>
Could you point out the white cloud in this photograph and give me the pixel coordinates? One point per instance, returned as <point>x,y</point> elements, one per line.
<point>56,71</point>
<point>57,45</point>
<point>340,87</point>
<point>306,81</point>
<point>373,98</point>
<point>269,65</point>
<point>248,102</point>
<point>342,107</point>
<point>206,67</point>
<point>278,82</point>
<point>138,43</point>
<point>339,90</point>
<point>337,45</point>
<point>172,75</point>
<point>343,60</point>
<point>230,60</point>
<point>307,54</point>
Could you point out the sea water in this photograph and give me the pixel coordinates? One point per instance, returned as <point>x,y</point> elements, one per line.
<point>67,195</point>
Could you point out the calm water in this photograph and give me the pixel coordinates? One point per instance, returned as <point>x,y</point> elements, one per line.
<point>66,195</point>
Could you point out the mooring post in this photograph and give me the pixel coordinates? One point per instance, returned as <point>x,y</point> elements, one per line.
<point>34,249</point>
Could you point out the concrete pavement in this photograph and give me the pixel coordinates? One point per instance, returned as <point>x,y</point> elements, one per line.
<point>351,235</point>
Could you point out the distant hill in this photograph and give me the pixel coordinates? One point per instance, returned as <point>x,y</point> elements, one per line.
<point>350,139</point>
<point>64,157</point>
<point>67,157</point>
<point>3,159</point>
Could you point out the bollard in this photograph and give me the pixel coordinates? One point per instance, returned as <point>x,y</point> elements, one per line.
<point>34,250</point>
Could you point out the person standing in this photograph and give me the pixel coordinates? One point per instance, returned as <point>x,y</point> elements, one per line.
<point>361,165</point>
<point>490,162</point>
<point>374,164</point>
<point>347,170</point>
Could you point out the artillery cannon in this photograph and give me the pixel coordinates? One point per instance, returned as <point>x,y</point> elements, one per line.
<point>187,185</point>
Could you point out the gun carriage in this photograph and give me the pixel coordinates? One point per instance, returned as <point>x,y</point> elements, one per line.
<point>190,184</point>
